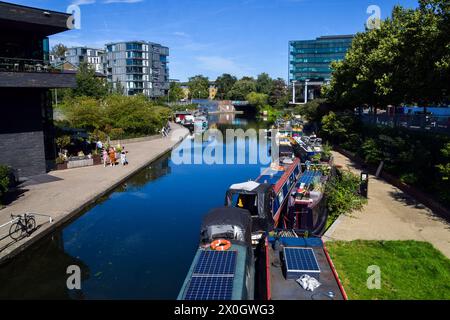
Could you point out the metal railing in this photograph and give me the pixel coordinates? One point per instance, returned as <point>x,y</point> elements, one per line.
<point>421,122</point>
<point>50,218</point>
<point>24,65</point>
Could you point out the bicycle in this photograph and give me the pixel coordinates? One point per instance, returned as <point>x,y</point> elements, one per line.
<point>25,225</point>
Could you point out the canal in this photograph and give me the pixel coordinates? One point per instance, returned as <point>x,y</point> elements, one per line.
<point>136,243</point>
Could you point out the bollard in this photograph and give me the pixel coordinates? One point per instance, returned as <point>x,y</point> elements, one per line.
<point>364,184</point>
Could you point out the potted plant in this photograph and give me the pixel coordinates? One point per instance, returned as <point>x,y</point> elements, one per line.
<point>61,163</point>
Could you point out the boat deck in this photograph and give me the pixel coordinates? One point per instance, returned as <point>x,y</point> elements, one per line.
<point>283,289</point>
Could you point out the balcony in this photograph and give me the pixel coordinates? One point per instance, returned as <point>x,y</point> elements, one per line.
<point>30,73</point>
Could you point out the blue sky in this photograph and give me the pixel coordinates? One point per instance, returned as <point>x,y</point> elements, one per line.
<point>210,37</point>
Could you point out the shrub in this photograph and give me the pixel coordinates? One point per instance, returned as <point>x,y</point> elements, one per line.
<point>371,151</point>
<point>5,173</point>
<point>343,196</point>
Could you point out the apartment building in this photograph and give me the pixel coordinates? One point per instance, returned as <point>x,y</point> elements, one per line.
<point>139,67</point>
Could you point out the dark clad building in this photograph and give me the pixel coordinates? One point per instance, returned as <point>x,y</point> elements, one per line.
<point>26,121</point>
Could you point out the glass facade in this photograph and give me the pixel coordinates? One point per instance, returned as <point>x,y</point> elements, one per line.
<point>311,59</point>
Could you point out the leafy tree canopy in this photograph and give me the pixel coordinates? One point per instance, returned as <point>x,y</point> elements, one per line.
<point>198,87</point>
<point>224,83</point>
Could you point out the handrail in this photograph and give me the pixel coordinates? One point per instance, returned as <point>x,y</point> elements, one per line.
<point>50,218</point>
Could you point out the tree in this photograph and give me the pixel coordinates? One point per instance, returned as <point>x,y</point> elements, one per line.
<point>278,96</point>
<point>198,87</point>
<point>242,88</point>
<point>264,83</point>
<point>62,142</point>
<point>59,50</point>
<point>444,168</point>
<point>88,84</point>
<point>224,83</point>
<point>175,92</point>
<point>406,60</point>
<point>257,99</point>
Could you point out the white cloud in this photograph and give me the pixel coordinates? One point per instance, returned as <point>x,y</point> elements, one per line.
<point>82,2</point>
<point>122,1</point>
<point>180,34</point>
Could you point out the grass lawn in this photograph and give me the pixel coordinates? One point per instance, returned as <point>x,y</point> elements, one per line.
<point>409,269</point>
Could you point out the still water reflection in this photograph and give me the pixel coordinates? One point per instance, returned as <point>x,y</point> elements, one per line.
<point>136,243</point>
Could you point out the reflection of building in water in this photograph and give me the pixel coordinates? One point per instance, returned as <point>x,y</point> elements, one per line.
<point>25,278</point>
<point>227,118</point>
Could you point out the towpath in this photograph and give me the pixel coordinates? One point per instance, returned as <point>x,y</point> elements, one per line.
<point>389,215</point>
<point>65,193</point>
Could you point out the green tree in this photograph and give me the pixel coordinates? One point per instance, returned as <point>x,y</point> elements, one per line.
<point>444,168</point>
<point>406,60</point>
<point>198,87</point>
<point>224,83</point>
<point>84,112</point>
<point>242,88</point>
<point>264,83</point>
<point>257,99</point>
<point>175,92</point>
<point>278,96</point>
<point>88,84</point>
<point>59,50</point>
<point>62,142</point>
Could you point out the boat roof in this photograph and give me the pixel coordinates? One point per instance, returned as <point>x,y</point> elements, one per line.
<point>211,291</point>
<point>288,289</point>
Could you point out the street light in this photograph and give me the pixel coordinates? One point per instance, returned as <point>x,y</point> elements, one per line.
<point>306,90</point>
<point>293,91</point>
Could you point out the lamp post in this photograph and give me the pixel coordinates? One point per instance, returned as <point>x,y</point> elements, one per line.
<point>306,90</point>
<point>293,91</point>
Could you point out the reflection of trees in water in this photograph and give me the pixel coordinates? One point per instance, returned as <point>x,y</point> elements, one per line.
<point>40,272</point>
<point>154,171</point>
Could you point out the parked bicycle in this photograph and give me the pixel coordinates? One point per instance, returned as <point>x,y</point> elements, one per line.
<point>23,226</point>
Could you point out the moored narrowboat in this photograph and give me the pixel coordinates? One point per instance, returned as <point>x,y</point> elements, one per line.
<point>266,197</point>
<point>223,266</point>
<point>296,267</point>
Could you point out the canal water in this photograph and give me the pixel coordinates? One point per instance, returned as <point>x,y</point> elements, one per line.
<point>136,243</point>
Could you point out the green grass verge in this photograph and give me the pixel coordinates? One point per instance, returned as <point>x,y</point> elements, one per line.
<point>409,269</point>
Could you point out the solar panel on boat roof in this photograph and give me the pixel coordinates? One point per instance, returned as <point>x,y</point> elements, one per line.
<point>216,263</point>
<point>300,261</point>
<point>213,276</point>
<point>210,288</point>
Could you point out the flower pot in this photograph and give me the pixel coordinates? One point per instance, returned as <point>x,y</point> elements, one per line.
<point>61,166</point>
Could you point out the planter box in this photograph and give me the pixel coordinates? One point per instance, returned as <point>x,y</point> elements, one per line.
<point>80,163</point>
<point>61,166</point>
<point>97,160</point>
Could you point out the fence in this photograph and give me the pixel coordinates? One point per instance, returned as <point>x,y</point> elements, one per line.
<point>421,122</point>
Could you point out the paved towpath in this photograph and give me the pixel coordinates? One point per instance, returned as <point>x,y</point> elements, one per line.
<point>69,191</point>
<point>389,215</point>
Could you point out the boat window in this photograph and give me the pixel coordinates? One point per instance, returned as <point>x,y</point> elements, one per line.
<point>246,201</point>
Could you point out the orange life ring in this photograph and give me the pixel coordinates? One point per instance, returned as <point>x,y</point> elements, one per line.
<point>220,245</point>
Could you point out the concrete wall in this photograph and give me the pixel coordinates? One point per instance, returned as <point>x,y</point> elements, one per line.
<point>24,151</point>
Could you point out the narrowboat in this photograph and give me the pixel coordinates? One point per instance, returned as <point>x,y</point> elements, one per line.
<point>200,124</point>
<point>307,209</point>
<point>293,264</point>
<point>223,267</point>
<point>266,197</point>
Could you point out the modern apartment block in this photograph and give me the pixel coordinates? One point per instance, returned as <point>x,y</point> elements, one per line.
<point>139,67</point>
<point>94,57</point>
<point>26,122</point>
<point>311,59</point>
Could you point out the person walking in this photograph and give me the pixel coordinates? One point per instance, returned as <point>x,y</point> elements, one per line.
<point>112,157</point>
<point>105,157</point>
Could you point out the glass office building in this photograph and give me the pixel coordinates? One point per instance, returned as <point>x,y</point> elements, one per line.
<point>311,59</point>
